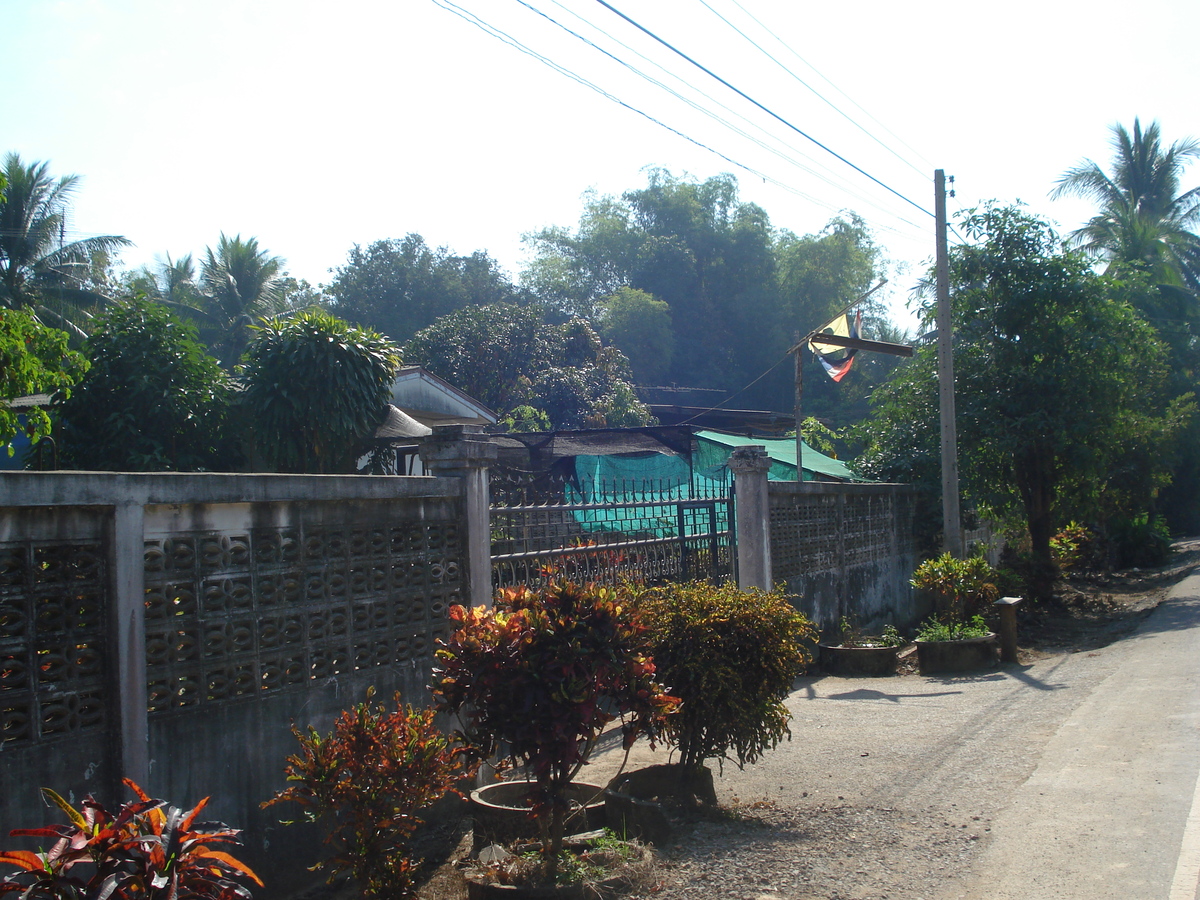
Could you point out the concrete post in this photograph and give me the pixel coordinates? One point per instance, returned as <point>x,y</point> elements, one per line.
<point>1007,607</point>
<point>749,466</point>
<point>129,588</point>
<point>464,451</point>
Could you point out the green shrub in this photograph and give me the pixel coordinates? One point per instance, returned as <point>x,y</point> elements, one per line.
<point>961,588</point>
<point>731,657</point>
<point>933,630</point>
<point>147,851</point>
<point>1072,546</point>
<point>365,782</point>
<point>1143,541</point>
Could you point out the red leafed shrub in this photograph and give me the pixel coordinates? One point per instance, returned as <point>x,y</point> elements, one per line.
<point>147,851</point>
<point>540,675</point>
<point>365,783</point>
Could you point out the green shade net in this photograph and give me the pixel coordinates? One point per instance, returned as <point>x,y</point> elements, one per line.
<point>713,449</point>
<point>617,481</point>
<point>647,479</point>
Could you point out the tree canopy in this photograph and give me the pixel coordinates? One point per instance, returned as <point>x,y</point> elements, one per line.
<point>153,399</point>
<point>33,360</point>
<point>507,356</point>
<point>398,287</point>
<point>1060,386</point>
<point>315,389</point>
<point>40,271</point>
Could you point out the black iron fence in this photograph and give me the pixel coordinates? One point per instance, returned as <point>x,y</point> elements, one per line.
<point>649,531</point>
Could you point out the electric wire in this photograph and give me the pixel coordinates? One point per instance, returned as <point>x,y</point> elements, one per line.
<point>823,77</point>
<point>840,185</point>
<point>812,89</point>
<point>765,109</point>
<point>506,38</point>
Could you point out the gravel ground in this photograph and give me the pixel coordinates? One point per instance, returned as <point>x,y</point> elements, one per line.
<point>889,787</point>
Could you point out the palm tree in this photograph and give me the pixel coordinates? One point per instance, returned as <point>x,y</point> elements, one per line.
<point>1143,221</point>
<point>242,284</point>
<point>39,271</point>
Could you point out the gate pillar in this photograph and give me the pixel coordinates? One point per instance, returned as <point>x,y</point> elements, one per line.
<point>464,451</point>
<point>749,466</point>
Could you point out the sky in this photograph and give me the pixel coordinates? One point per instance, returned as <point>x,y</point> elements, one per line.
<point>317,126</point>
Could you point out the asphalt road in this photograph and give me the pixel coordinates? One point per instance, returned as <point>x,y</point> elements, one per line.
<point>1073,777</point>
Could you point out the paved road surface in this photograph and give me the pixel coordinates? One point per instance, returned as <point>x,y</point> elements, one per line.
<point>1074,777</point>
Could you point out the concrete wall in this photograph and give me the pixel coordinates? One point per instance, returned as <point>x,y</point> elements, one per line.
<point>845,550</point>
<point>173,627</point>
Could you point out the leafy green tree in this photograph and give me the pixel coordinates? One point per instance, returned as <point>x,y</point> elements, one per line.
<point>1059,384</point>
<point>39,270</point>
<point>1144,220</point>
<point>242,284</point>
<point>33,359</point>
<point>507,356</point>
<point>399,287</point>
<point>1146,227</point>
<point>640,327</point>
<point>692,245</point>
<point>153,400</point>
<point>735,290</point>
<point>315,389</point>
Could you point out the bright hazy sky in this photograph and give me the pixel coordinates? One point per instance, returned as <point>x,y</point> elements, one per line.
<point>315,126</point>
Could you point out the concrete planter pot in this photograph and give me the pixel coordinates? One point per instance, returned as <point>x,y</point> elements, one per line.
<point>501,811</point>
<point>966,655</point>
<point>646,803</point>
<point>872,661</point>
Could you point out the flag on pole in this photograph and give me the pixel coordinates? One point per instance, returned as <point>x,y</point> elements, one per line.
<point>837,360</point>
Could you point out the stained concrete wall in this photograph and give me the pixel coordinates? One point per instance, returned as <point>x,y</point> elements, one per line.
<point>846,550</point>
<point>173,627</point>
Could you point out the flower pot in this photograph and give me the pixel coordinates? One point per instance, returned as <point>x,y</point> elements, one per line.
<point>501,811</point>
<point>646,803</point>
<point>957,656</point>
<point>874,661</point>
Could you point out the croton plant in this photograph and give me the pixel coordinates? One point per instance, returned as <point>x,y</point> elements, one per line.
<point>539,675</point>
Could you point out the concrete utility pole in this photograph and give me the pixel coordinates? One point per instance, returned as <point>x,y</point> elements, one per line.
<point>799,394</point>
<point>952,538</point>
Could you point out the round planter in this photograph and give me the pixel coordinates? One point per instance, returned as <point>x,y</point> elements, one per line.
<point>957,656</point>
<point>646,803</point>
<point>873,661</point>
<point>501,811</point>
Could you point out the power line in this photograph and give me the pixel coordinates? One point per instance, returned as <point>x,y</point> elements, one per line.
<point>841,185</point>
<point>824,78</point>
<point>765,109</point>
<point>804,83</point>
<point>503,36</point>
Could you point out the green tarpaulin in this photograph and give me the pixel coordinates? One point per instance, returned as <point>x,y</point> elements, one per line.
<point>713,448</point>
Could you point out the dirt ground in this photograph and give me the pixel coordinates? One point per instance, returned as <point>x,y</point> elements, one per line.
<point>1091,610</point>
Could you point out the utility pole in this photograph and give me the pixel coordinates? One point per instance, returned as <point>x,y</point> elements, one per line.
<point>799,394</point>
<point>952,539</point>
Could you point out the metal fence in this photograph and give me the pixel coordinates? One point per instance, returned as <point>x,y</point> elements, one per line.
<point>605,531</point>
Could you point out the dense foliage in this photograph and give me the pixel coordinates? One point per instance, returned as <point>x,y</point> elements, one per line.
<point>398,287</point>
<point>731,657</point>
<point>735,290</point>
<point>961,588</point>
<point>315,389</point>
<point>33,359</point>
<point>147,850</point>
<point>507,356</point>
<point>365,782</point>
<point>1063,407</point>
<point>152,400</point>
<point>538,677</point>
